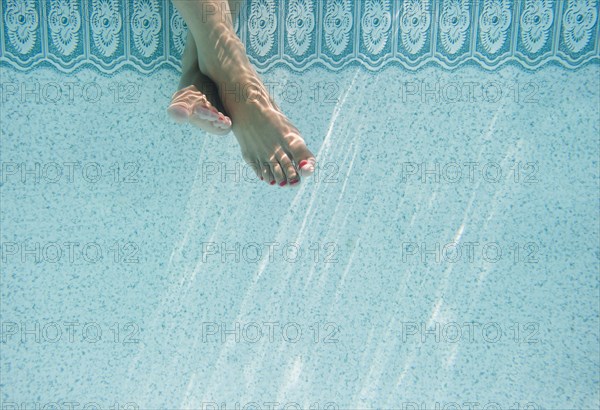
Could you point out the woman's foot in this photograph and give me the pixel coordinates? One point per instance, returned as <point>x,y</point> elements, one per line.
<point>197,100</point>
<point>191,105</point>
<point>270,143</point>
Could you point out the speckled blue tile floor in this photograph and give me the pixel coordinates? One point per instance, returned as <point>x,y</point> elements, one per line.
<point>446,253</point>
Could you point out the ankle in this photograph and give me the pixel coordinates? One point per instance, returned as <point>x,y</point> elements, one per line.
<point>226,59</point>
<point>244,89</point>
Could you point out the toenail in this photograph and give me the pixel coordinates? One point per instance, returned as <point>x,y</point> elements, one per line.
<point>272,182</point>
<point>302,163</point>
<point>262,179</point>
<point>282,183</point>
<point>294,182</point>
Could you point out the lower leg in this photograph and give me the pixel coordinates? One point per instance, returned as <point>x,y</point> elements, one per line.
<point>192,75</point>
<point>189,62</point>
<point>269,141</point>
<point>222,56</point>
<point>197,100</point>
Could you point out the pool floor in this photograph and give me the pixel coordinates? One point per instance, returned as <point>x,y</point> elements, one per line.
<point>445,253</point>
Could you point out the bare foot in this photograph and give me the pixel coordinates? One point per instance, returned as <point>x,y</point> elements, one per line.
<point>191,105</point>
<point>270,143</point>
<point>197,100</point>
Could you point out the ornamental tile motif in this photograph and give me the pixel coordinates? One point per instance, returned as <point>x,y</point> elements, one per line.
<point>300,23</point>
<point>494,23</point>
<point>148,34</point>
<point>376,24</point>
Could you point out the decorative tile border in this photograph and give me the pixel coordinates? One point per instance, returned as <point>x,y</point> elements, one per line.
<point>146,34</point>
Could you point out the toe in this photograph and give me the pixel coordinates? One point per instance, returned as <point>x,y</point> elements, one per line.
<point>219,128</point>
<point>207,126</point>
<point>266,174</point>
<point>289,170</point>
<point>222,122</point>
<point>206,117</point>
<point>189,104</point>
<point>303,158</point>
<point>278,173</point>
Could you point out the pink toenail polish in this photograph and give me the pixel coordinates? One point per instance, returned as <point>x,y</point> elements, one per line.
<point>262,179</point>
<point>272,182</point>
<point>302,163</point>
<point>283,183</point>
<point>294,182</point>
